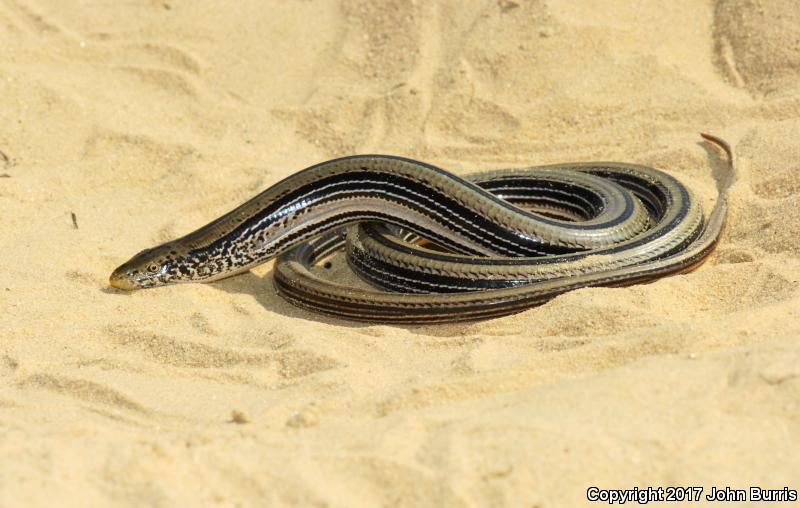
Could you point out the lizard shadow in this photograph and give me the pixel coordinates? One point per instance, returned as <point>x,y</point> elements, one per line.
<point>722,171</point>
<point>263,291</point>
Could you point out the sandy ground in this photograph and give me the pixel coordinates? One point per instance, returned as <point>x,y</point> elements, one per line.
<point>146,119</point>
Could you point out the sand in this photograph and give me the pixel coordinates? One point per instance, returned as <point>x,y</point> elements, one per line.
<point>124,124</point>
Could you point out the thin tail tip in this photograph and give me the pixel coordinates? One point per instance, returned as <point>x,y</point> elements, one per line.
<point>726,147</point>
<point>713,138</point>
<point>719,142</point>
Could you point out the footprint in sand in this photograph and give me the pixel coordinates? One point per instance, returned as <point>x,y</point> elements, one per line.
<point>755,44</point>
